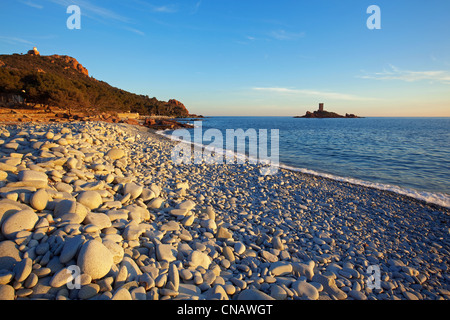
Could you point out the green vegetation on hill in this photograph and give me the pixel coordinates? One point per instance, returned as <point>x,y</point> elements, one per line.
<point>61,81</point>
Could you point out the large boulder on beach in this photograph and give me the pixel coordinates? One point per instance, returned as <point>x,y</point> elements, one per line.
<point>23,220</point>
<point>91,199</point>
<point>9,255</point>
<point>115,154</point>
<point>95,259</point>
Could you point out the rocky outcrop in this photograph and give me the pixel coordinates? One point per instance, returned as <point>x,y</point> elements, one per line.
<point>178,106</point>
<point>71,63</point>
<point>321,113</point>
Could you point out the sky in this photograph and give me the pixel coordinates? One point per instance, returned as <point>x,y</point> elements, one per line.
<point>252,58</point>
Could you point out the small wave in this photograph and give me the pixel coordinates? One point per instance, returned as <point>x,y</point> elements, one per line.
<point>440,199</point>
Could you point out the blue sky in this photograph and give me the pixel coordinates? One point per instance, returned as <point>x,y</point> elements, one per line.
<point>248,57</point>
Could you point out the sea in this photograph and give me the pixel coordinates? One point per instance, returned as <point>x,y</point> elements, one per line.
<point>409,156</point>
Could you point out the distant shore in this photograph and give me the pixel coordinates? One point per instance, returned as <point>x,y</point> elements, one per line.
<point>111,202</point>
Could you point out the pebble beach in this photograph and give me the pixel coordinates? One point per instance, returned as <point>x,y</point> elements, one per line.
<point>98,211</point>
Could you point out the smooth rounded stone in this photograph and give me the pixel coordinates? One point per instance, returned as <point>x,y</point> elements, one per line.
<point>211,213</point>
<point>115,154</point>
<point>268,256</point>
<point>147,195</point>
<point>138,294</point>
<point>277,243</point>
<point>39,200</point>
<point>223,234</point>
<point>410,296</point>
<point>71,247</point>
<point>64,187</point>
<point>91,199</point>
<point>9,255</point>
<point>198,258</point>
<point>329,286</point>
<point>170,226</point>
<point>133,231</point>
<point>188,220</point>
<point>24,220</point>
<point>3,175</point>
<point>11,145</point>
<point>64,206</point>
<point>71,163</point>
<point>31,175</point>
<point>178,212</point>
<point>277,292</point>
<point>280,268</point>
<point>137,213</point>
<point>166,252</point>
<point>7,293</point>
<point>31,281</point>
<point>133,189</point>
<point>253,294</point>
<point>186,205</point>
<point>174,277</point>
<point>228,254</point>
<point>23,269</point>
<point>209,224</point>
<point>189,290</point>
<point>156,189</point>
<point>88,291</point>
<point>305,290</point>
<point>122,294</point>
<point>61,278</point>
<point>116,250</point>
<point>239,248</point>
<point>6,276</point>
<point>186,274</point>
<point>120,214</point>
<point>357,295</point>
<point>217,293</point>
<point>95,259</point>
<point>155,203</point>
<point>306,270</point>
<point>100,220</point>
<point>7,167</point>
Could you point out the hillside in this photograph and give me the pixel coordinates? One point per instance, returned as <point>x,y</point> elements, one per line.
<point>61,81</point>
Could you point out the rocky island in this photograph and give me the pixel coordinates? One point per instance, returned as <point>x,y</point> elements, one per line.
<point>321,113</point>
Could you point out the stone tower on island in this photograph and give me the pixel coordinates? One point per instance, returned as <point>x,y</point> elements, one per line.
<point>320,107</point>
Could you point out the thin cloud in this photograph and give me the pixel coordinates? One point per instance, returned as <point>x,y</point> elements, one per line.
<point>101,14</point>
<point>93,11</point>
<point>15,40</point>
<point>394,73</point>
<point>32,4</point>
<point>170,8</point>
<point>315,93</point>
<point>196,7</point>
<point>285,35</point>
<point>139,32</point>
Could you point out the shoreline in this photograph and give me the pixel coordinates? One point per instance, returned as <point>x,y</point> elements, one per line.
<point>432,198</point>
<point>204,231</point>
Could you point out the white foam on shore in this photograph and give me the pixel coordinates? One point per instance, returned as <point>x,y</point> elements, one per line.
<point>440,199</point>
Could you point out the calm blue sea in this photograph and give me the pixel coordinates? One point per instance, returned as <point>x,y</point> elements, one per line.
<point>407,155</point>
